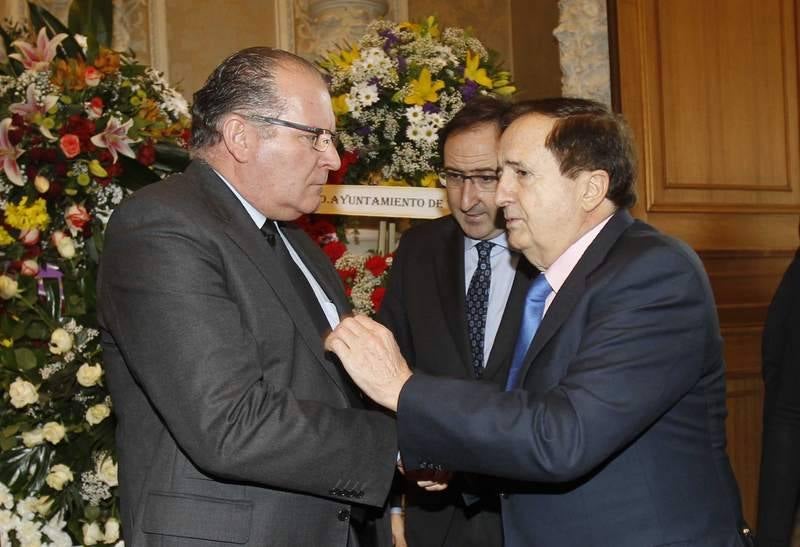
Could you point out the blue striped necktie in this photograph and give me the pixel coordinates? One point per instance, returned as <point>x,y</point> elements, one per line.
<point>531,318</point>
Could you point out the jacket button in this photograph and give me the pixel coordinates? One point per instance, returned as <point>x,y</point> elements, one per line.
<point>343,515</point>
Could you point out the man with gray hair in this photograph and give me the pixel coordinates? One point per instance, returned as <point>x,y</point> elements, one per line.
<point>234,425</point>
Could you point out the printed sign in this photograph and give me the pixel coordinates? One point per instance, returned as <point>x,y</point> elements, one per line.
<point>383,201</point>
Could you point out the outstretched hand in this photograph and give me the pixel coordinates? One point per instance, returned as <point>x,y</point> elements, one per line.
<point>371,357</point>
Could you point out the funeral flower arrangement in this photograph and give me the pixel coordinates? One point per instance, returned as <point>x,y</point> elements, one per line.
<point>79,128</point>
<point>394,90</point>
<point>364,275</point>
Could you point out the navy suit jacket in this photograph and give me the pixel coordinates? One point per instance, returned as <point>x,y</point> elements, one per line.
<point>617,435</point>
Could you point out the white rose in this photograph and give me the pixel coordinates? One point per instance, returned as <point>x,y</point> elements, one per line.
<point>112,531</point>
<point>43,505</point>
<point>28,533</point>
<point>22,393</point>
<point>9,288</point>
<point>59,475</point>
<point>97,413</point>
<point>60,341</point>
<point>64,244</point>
<point>41,184</point>
<point>53,432</point>
<point>107,471</point>
<point>32,438</point>
<point>88,375</point>
<point>92,535</point>
<point>29,267</point>
<point>6,497</point>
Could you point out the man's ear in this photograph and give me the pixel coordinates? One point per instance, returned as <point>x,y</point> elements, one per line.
<point>236,138</point>
<point>595,189</point>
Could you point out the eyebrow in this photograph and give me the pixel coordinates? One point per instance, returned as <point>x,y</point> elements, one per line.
<point>479,170</point>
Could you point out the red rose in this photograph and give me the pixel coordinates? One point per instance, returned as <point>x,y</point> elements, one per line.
<point>70,145</point>
<point>334,250</point>
<point>146,155</point>
<point>347,276</point>
<point>377,298</point>
<point>376,264</point>
<point>348,159</point>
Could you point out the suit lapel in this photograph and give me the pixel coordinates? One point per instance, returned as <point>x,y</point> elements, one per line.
<point>449,266</point>
<point>507,332</point>
<point>239,227</point>
<point>574,286</point>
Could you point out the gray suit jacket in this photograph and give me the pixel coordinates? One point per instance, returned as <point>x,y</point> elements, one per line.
<point>234,425</point>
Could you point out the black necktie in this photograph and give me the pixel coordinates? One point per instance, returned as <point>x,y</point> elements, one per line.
<point>298,279</point>
<point>478,304</point>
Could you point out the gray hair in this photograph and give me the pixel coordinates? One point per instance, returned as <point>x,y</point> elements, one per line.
<point>245,82</point>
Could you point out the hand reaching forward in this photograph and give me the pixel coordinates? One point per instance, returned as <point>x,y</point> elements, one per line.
<point>371,357</point>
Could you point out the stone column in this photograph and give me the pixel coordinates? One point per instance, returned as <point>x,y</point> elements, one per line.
<point>324,25</point>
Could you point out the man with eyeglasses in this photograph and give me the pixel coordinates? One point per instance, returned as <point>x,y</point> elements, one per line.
<point>454,303</point>
<point>234,425</point>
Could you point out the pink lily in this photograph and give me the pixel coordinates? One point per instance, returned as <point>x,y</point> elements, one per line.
<point>115,138</point>
<point>31,107</point>
<point>9,155</point>
<point>37,57</point>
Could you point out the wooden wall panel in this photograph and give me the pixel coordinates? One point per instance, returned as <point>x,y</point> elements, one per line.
<point>710,91</point>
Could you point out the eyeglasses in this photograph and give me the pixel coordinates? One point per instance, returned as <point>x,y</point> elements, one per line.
<point>456,179</point>
<point>322,139</point>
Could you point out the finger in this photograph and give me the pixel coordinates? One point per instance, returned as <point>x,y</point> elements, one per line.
<point>338,346</point>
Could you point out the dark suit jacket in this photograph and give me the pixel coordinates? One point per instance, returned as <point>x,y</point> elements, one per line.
<point>234,427</point>
<point>779,487</point>
<point>425,309</point>
<point>617,436</point>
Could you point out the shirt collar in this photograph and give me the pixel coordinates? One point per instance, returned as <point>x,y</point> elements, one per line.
<point>500,240</point>
<point>254,213</point>
<point>559,270</point>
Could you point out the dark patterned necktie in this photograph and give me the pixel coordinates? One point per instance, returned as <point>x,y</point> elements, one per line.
<point>532,313</point>
<point>296,276</point>
<point>478,304</point>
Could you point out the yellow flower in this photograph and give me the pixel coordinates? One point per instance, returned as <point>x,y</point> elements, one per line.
<point>97,170</point>
<point>474,73</point>
<point>5,237</point>
<point>340,104</point>
<point>431,180</point>
<point>505,90</point>
<point>432,27</point>
<point>423,90</point>
<point>25,217</point>
<point>7,342</point>
<point>345,58</point>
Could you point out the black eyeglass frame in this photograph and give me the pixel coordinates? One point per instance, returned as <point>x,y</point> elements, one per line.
<point>316,131</point>
<point>484,182</point>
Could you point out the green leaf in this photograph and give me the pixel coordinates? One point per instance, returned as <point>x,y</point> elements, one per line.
<point>38,331</point>
<point>94,19</point>
<point>40,17</point>
<point>170,157</point>
<point>135,175</point>
<point>7,443</point>
<point>26,359</point>
<point>10,430</point>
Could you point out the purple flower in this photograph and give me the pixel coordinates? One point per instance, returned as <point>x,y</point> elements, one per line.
<point>363,131</point>
<point>401,64</point>
<point>390,39</point>
<point>468,90</point>
<point>431,108</point>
